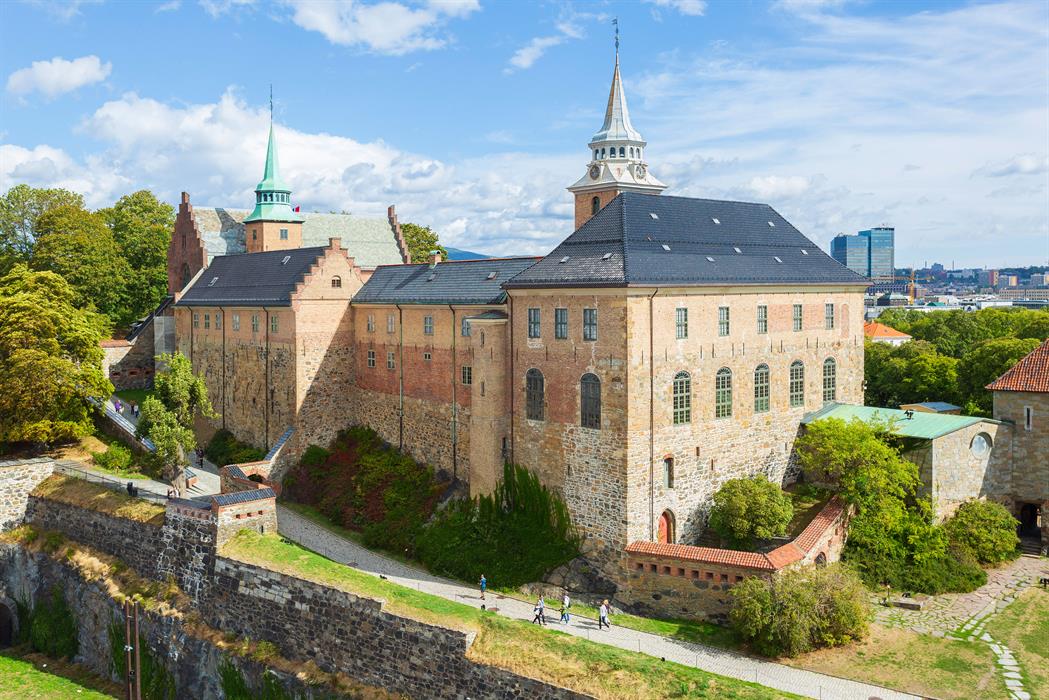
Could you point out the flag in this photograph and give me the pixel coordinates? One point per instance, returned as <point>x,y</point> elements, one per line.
<point>299,208</point>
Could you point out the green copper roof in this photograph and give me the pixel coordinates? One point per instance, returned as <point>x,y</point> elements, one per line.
<point>927,426</point>
<point>271,179</point>
<point>272,195</point>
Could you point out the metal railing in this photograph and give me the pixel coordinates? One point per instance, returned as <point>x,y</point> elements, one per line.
<point>123,423</point>
<point>110,482</point>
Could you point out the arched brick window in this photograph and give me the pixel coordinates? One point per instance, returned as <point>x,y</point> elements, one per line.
<point>797,384</point>
<point>682,398</point>
<point>534,394</point>
<point>723,393</point>
<point>761,389</point>
<point>830,380</point>
<point>590,401</point>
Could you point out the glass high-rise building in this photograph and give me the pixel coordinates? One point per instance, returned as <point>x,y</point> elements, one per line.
<point>870,253</point>
<point>851,251</point>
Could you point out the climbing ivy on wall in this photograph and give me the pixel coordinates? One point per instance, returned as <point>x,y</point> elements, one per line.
<point>51,628</point>
<point>157,681</point>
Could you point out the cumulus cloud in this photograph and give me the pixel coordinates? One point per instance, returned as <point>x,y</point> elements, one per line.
<point>1023,164</point>
<point>694,8</point>
<point>57,76</point>
<point>778,187</point>
<point>63,10</point>
<point>217,8</point>
<point>568,26</point>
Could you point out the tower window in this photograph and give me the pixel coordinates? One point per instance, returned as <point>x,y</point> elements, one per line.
<point>371,323</point>
<point>468,375</point>
<point>427,325</point>
<point>595,205</point>
<point>284,234</point>
<point>371,358</point>
<point>254,235</point>
<point>723,321</point>
<point>589,324</point>
<point>622,152</point>
<point>797,384</point>
<point>390,362</point>
<point>797,317</point>
<point>602,153</point>
<point>533,323</point>
<point>236,322</point>
<point>761,389</point>
<point>763,319</point>
<point>595,154</point>
<point>560,323</point>
<point>830,380</point>
<point>682,398</point>
<point>681,323</point>
<point>668,472</point>
<point>631,151</point>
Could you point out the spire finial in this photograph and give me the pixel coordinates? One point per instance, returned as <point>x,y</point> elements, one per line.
<point>615,23</point>
<point>271,103</point>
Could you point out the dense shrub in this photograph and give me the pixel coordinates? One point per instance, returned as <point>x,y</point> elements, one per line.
<point>225,449</point>
<point>985,530</point>
<point>157,682</point>
<point>800,610</point>
<point>513,536</point>
<point>115,458</point>
<point>53,628</point>
<point>748,509</point>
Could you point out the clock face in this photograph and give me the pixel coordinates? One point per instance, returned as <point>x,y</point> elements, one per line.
<point>639,171</point>
<point>594,172</point>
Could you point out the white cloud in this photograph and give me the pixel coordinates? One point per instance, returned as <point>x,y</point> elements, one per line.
<point>169,6</point>
<point>58,76</point>
<point>1023,164</point>
<point>570,25</point>
<point>777,187</point>
<point>531,52</point>
<point>217,8</point>
<point>63,10</point>
<point>384,27</point>
<point>694,8</point>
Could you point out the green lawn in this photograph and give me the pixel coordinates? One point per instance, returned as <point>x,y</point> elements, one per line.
<point>136,396</point>
<point>1024,628</point>
<point>587,667</point>
<point>36,676</point>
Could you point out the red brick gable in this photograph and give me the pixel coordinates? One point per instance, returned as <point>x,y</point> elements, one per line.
<point>1029,374</point>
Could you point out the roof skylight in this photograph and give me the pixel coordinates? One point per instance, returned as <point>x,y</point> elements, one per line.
<point>666,247</point>
<point>772,224</point>
<point>714,220</point>
<point>710,259</point>
<point>804,252</point>
<point>564,260</point>
<point>285,260</point>
<point>776,258</point>
<point>736,249</point>
<point>433,276</point>
<point>606,256</point>
<point>491,276</point>
<point>653,215</point>
<point>213,281</point>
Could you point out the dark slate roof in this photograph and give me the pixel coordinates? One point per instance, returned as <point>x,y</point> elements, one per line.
<point>452,282</point>
<point>227,499</point>
<point>251,279</point>
<point>643,240</point>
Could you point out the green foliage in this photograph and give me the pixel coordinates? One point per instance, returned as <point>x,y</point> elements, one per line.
<point>987,361</point>
<point>750,509</point>
<point>116,458</point>
<point>53,629</point>
<point>172,439</point>
<point>909,373</point>
<point>50,359</point>
<point>799,610</point>
<point>421,241</point>
<point>157,682</point>
<point>513,536</point>
<point>314,456</point>
<point>235,687</point>
<point>985,530</point>
<point>225,449</point>
<point>20,209</point>
<point>183,393</point>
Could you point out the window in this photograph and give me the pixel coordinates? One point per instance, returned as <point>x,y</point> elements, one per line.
<point>828,316</point>
<point>560,323</point>
<point>589,324</point>
<point>668,473</point>
<point>371,323</point>
<point>427,357</point>
<point>464,328</point>
<point>722,320</point>
<point>723,393</point>
<point>622,152</point>
<point>468,375</point>
<point>207,321</point>
<point>196,320</point>
<point>763,319</point>
<point>595,205</point>
<point>761,389</point>
<point>682,398</point>
<point>590,401</point>
<point>427,325</point>
<point>254,235</point>
<point>371,358</point>
<point>391,321</point>
<point>390,362</point>
<point>284,234</point>
<point>533,323</point>
<point>830,380</point>
<point>534,394</point>
<point>1028,418</point>
<point>273,323</point>
<point>980,445</point>
<point>336,282</point>
<point>218,321</point>
<point>797,384</point>
<point>681,323</point>
<point>236,322</point>
<point>254,323</point>
<point>797,317</point>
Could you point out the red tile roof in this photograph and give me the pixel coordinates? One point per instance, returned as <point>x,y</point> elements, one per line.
<point>1029,374</point>
<point>873,329</point>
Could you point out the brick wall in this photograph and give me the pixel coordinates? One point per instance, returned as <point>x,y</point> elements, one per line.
<point>17,479</point>
<point>186,253</point>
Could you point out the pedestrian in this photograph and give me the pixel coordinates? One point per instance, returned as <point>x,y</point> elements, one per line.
<point>117,404</point>
<point>537,613</point>
<point>602,619</point>
<point>564,614</point>
<point>130,489</point>
<point>134,410</point>
<point>542,610</point>
<point>484,585</point>
<point>566,603</point>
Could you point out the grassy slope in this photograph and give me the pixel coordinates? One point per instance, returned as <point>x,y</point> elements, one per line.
<point>576,663</point>
<point>1024,628</point>
<point>25,676</point>
<point>68,489</point>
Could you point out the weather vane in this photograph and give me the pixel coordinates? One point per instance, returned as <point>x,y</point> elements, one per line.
<point>271,102</point>
<point>615,23</point>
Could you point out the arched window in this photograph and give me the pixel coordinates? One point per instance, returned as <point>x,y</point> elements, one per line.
<point>185,276</point>
<point>830,380</point>
<point>723,393</point>
<point>336,282</point>
<point>602,154</point>
<point>668,472</point>
<point>761,389</point>
<point>797,384</point>
<point>631,151</point>
<point>590,401</point>
<point>682,398</point>
<point>622,152</point>
<point>667,527</point>
<point>534,394</point>
<point>595,154</point>
<point>595,205</point>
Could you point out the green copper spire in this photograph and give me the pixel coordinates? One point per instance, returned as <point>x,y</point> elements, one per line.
<point>272,195</point>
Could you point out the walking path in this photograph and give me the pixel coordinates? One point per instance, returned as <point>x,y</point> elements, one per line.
<point>726,663</point>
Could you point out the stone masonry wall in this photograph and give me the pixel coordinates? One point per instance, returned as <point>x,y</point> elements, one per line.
<point>130,365</point>
<point>959,475</point>
<point>1029,456</point>
<point>17,479</point>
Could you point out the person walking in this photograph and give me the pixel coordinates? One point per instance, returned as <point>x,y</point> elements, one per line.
<point>566,603</point>
<point>540,611</point>
<point>564,614</point>
<point>602,619</point>
<point>484,585</point>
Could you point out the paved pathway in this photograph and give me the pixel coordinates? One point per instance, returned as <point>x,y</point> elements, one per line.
<point>726,663</point>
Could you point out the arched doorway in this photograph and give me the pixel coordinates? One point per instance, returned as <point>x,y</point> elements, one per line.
<point>7,626</point>
<point>667,534</point>
<point>821,559</point>
<point>1029,520</point>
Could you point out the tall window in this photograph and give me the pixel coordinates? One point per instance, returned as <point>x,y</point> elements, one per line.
<point>465,328</point>
<point>595,205</point>
<point>722,320</point>
<point>761,389</point>
<point>589,324</point>
<point>196,320</point>
<point>390,362</point>
<point>828,316</point>
<point>254,323</point>
<point>533,323</point>
<point>1028,418</point>
<point>534,394</point>
<point>682,398</point>
<point>273,323</point>
<point>797,384</point>
<point>371,323</point>
<point>207,321</point>
<point>236,322</point>
<point>560,323</point>
<point>590,401</point>
<point>391,321</point>
<point>468,375</point>
<point>427,325</point>
<point>763,319</point>
<point>668,472</point>
<point>218,321</point>
<point>284,234</point>
<point>371,358</point>
<point>797,317</point>
<point>830,380</point>
<point>681,323</point>
<point>723,393</point>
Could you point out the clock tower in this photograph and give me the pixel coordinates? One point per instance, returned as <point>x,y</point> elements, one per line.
<point>617,158</point>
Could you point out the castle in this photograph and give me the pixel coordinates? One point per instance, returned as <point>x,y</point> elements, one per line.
<point>667,345</point>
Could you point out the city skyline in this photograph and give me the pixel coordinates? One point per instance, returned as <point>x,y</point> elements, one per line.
<point>493,107</point>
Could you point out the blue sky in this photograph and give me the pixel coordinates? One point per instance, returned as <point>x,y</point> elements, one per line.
<point>473,115</point>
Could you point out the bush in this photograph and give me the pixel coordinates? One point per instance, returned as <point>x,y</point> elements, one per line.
<point>749,509</point>
<point>800,610</point>
<point>951,572</point>
<point>53,628</point>
<point>225,449</point>
<point>115,458</point>
<point>985,530</point>
<point>513,536</point>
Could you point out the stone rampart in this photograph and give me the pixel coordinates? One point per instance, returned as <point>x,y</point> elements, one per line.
<point>17,478</point>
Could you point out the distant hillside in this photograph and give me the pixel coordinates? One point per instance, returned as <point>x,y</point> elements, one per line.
<point>458,254</point>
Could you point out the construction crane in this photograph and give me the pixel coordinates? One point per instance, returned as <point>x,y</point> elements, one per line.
<point>910,279</point>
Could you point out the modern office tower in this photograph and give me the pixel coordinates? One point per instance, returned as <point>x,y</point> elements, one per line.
<point>881,259</point>
<point>851,251</point>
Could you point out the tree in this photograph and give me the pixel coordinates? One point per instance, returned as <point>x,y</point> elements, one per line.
<point>421,241</point>
<point>171,439</point>
<point>78,245</point>
<point>50,359</point>
<point>180,391</point>
<point>986,362</point>
<point>20,209</point>
<point>909,373</point>
<point>748,509</point>
<point>141,227</point>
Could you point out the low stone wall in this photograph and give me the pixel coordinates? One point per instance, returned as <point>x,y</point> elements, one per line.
<point>17,478</point>
<point>130,364</point>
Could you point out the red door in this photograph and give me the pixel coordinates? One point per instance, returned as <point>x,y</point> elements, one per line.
<point>664,529</point>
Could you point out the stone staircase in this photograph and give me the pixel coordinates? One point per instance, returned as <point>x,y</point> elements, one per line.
<point>1031,546</point>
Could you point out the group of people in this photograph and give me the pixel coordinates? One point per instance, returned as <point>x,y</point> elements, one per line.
<point>130,407</point>
<point>539,611</point>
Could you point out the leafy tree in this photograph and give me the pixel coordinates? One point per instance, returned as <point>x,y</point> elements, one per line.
<point>1034,324</point>
<point>20,208</point>
<point>986,530</point>
<point>180,391</point>
<point>421,241</point>
<point>749,509</point>
<point>78,245</point>
<point>909,373</point>
<point>986,362</point>
<point>171,439</point>
<point>50,359</point>
<point>142,226</point>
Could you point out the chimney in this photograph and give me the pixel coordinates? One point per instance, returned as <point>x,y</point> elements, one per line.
<point>435,257</point>
<point>335,243</point>
<point>185,197</point>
